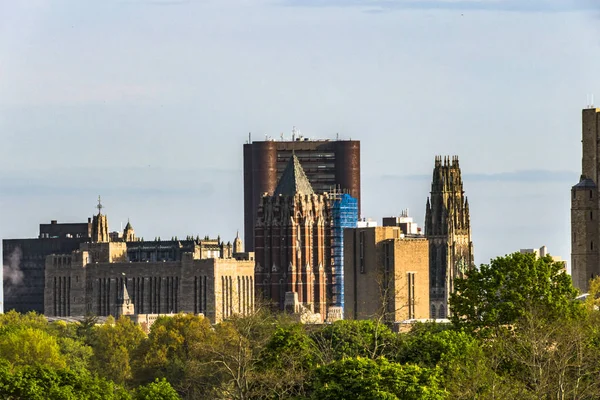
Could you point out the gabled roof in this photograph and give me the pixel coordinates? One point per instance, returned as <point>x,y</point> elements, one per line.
<point>293,180</point>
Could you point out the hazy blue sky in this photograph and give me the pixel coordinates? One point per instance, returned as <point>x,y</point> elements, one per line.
<point>148,103</point>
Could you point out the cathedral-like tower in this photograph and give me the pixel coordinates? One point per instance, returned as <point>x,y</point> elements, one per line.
<point>100,226</point>
<point>292,243</point>
<point>585,240</point>
<point>448,229</point>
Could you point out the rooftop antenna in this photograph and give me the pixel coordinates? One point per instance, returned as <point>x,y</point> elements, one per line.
<point>282,136</point>
<point>249,137</point>
<point>293,133</point>
<point>337,136</point>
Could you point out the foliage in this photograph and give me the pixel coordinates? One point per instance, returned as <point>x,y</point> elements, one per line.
<point>41,383</point>
<point>114,344</point>
<point>30,346</point>
<point>363,378</point>
<point>500,293</point>
<point>349,338</point>
<point>157,390</point>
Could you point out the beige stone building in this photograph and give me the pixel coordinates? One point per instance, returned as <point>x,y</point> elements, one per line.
<point>91,280</point>
<point>585,207</point>
<point>386,274</point>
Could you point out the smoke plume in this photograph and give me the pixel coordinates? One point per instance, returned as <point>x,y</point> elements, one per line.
<point>12,274</point>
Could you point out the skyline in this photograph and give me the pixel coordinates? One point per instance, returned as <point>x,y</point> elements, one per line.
<point>148,103</point>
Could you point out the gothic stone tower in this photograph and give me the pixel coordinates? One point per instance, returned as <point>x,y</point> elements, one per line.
<point>448,229</point>
<point>292,242</point>
<point>585,260</point>
<point>100,226</point>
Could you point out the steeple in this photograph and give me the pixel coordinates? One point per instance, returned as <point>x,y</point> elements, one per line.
<point>125,305</point>
<point>100,225</point>
<point>238,246</point>
<point>293,180</point>
<point>128,232</point>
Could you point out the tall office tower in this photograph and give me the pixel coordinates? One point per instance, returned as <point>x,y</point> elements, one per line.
<point>585,240</point>
<point>293,251</point>
<point>448,229</point>
<point>327,164</point>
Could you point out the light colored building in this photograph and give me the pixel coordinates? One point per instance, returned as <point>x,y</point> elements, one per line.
<point>91,281</point>
<point>543,252</point>
<point>405,222</point>
<point>386,274</point>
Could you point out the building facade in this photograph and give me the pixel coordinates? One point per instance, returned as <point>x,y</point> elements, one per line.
<point>25,259</point>
<point>448,230</point>
<point>327,164</point>
<point>344,215</point>
<point>91,281</point>
<point>386,274</point>
<point>24,262</point>
<point>293,244</point>
<point>585,232</point>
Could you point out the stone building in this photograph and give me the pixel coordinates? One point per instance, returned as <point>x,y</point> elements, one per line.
<point>25,259</point>
<point>90,280</point>
<point>292,244</point>
<point>326,163</point>
<point>386,274</point>
<point>448,230</point>
<point>585,230</point>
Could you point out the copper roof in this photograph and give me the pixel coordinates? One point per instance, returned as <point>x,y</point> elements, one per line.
<point>293,180</point>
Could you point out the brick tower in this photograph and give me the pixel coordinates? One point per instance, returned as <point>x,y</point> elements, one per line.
<point>292,237</point>
<point>448,229</point>
<point>585,260</point>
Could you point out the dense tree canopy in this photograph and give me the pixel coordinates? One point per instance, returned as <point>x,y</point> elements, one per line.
<point>509,287</point>
<point>550,349</point>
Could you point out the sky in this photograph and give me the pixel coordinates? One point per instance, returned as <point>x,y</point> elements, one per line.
<point>148,103</point>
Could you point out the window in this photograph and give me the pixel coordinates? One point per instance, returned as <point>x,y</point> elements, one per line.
<point>362,252</point>
<point>411,294</point>
<point>592,245</point>
<point>591,215</point>
<point>433,311</point>
<point>591,194</point>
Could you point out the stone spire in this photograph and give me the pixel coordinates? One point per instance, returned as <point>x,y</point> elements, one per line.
<point>100,225</point>
<point>128,232</point>
<point>238,246</point>
<point>293,180</point>
<point>125,305</point>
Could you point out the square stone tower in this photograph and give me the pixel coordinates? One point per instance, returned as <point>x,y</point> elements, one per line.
<point>448,229</point>
<point>585,205</point>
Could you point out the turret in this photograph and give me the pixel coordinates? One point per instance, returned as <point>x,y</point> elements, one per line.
<point>584,233</point>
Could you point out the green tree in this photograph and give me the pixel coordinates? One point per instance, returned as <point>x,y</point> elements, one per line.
<point>40,383</point>
<point>115,344</point>
<point>363,378</point>
<point>285,362</point>
<point>31,346</point>
<point>157,390</point>
<point>500,293</point>
<point>351,338</point>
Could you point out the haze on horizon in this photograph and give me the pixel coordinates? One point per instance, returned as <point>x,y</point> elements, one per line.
<point>148,103</point>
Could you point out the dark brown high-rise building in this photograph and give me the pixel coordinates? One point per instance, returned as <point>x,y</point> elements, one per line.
<point>327,164</point>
